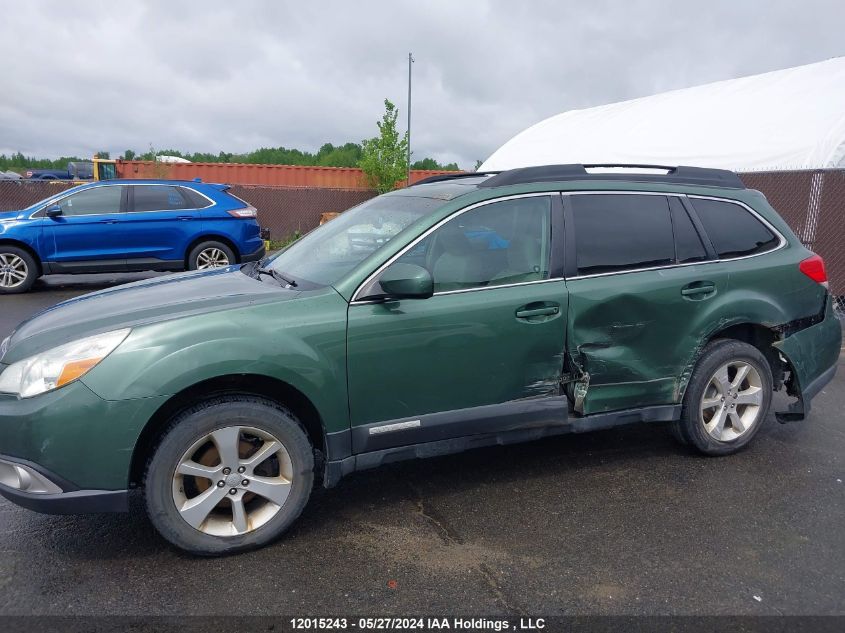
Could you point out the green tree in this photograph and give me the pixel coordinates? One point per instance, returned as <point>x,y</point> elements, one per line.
<point>384,159</point>
<point>329,155</point>
<point>18,162</point>
<point>431,164</point>
<point>346,155</point>
<point>425,163</point>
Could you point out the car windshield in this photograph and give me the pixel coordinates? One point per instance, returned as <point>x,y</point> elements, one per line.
<point>329,252</point>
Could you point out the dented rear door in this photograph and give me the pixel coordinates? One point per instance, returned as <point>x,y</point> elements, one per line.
<point>639,305</point>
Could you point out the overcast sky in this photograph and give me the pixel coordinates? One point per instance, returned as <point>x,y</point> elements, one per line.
<point>234,76</point>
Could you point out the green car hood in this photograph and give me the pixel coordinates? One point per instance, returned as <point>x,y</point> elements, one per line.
<point>140,303</point>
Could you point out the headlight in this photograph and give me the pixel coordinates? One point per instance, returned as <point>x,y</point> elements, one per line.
<point>59,366</point>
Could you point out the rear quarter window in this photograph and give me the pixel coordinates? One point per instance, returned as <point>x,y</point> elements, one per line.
<point>199,201</point>
<point>732,229</point>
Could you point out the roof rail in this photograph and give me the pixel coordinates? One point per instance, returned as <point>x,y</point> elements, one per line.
<point>452,176</point>
<point>674,175</point>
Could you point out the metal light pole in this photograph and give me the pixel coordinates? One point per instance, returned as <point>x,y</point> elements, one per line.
<point>410,61</point>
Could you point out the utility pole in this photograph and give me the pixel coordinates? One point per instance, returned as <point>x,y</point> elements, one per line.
<point>410,61</point>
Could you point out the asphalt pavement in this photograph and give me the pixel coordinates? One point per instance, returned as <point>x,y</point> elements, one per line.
<point>615,522</point>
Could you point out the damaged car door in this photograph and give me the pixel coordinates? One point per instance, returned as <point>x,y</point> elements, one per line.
<point>484,353</point>
<point>641,297</point>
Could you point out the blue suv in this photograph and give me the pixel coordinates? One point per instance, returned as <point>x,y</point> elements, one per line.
<point>127,225</point>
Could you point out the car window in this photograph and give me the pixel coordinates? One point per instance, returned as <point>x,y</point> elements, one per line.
<point>159,198</point>
<point>198,201</point>
<point>688,245</point>
<point>616,232</point>
<point>96,200</point>
<point>733,231</point>
<point>495,244</point>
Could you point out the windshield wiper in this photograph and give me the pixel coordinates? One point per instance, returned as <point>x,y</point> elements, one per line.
<point>275,274</point>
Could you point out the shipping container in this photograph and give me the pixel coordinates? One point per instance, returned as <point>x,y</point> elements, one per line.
<point>249,174</point>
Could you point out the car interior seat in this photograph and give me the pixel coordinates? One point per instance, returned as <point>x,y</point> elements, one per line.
<point>523,259</point>
<point>458,266</point>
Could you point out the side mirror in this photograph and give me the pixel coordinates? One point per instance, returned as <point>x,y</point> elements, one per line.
<point>53,211</point>
<point>406,281</point>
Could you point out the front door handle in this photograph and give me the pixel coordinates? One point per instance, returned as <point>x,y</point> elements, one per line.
<point>112,221</point>
<point>699,289</point>
<point>526,312</point>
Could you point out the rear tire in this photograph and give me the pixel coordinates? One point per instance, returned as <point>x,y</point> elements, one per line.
<point>209,255</point>
<point>254,470</point>
<point>727,399</point>
<point>18,270</point>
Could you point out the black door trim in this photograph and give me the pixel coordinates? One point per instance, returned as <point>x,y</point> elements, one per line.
<point>517,414</point>
<point>699,227</point>
<point>93,266</point>
<point>344,464</point>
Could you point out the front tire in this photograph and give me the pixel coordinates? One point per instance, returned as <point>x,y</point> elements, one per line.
<point>18,270</point>
<point>231,474</point>
<point>727,399</point>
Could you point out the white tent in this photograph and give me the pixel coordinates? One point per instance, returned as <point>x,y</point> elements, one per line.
<point>786,119</point>
<point>164,158</point>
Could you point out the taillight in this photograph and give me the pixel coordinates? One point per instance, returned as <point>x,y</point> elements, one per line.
<point>813,267</point>
<point>248,211</point>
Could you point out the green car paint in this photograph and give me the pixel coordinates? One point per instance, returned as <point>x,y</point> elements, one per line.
<point>812,352</point>
<point>300,341</point>
<point>590,344</point>
<point>638,337</point>
<point>445,343</point>
<point>76,435</point>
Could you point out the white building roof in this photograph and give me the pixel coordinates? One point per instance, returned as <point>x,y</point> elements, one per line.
<point>786,119</point>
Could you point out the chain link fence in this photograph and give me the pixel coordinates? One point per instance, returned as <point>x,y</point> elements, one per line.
<point>19,194</point>
<point>284,210</point>
<point>812,202</point>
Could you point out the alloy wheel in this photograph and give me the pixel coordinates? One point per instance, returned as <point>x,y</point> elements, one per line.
<point>212,258</point>
<point>732,401</point>
<point>13,270</point>
<point>232,481</point>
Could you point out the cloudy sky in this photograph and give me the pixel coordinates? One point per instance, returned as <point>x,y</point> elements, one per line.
<point>222,75</point>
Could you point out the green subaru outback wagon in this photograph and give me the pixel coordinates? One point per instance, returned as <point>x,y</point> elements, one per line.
<point>460,312</point>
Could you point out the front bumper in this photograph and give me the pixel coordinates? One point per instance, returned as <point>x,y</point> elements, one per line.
<point>30,486</point>
<point>78,441</point>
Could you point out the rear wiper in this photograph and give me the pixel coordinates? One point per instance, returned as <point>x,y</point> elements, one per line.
<point>275,274</point>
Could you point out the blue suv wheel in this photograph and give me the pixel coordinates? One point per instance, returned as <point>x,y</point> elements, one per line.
<point>18,270</point>
<point>207,255</point>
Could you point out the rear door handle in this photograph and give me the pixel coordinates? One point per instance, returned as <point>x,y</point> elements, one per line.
<point>698,288</point>
<point>527,313</point>
<point>184,217</point>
